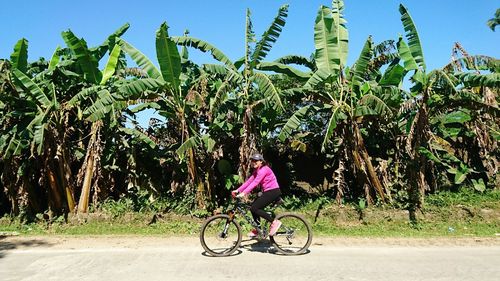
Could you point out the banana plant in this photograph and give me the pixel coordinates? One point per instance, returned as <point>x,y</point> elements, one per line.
<point>442,97</point>
<point>245,83</point>
<point>463,113</point>
<point>104,102</point>
<point>60,99</point>
<point>345,95</point>
<point>175,98</point>
<point>39,125</point>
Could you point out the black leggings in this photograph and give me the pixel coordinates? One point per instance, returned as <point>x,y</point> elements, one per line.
<point>263,201</point>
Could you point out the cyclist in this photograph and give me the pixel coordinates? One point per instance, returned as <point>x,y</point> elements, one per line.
<point>262,175</point>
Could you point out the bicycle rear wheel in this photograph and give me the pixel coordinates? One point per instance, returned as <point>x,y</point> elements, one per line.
<point>294,236</point>
<point>220,236</point>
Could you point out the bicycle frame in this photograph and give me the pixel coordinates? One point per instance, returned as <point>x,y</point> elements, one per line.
<point>242,209</point>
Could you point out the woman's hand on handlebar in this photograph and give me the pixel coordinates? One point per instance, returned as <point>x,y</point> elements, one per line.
<point>234,193</point>
<point>239,195</point>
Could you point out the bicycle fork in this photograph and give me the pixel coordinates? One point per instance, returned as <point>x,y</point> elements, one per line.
<point>223,234</point>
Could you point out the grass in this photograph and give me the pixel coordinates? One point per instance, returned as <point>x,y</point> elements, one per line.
<point>462,214</point>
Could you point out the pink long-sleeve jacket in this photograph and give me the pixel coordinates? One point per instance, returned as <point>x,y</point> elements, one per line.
<point>263,176</point>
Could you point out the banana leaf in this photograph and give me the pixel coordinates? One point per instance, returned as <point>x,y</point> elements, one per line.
<point>140,59</point>
<point>54,60</point>
<point>293,123</point>
<point>168,57</point>
<point>110,68</point>
<point>283,69</point>
<point>31,88</point>
<point>87,62</point>
<point>204,47</point>
<point>19,57</point>
<point>325,42</point>
<point>299,60</point>
<point>270,36</point>
<point>139,135</point>
<point>361,65</point>
<point>267,87</point>
<point>412,37</point>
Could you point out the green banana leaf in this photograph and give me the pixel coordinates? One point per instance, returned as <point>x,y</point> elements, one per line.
<point>341,32</point>
<point>270,36</point>
<point>267,87</point>
<point>360,68</point>
<point>479,80</point>
<point>404,52</point>
<point>168,57</point>
<point>393,75</point>
<point>376,105</point>
<point>459,116</point>
<point>19,57</point>
<point>293,123</point>
<point>102,106</point>
<point>139,135</point>
<point>54,60</point>
<point>412,37</point>
<point>144,106</point>
<point>318,78</point>
<point>87,62</point>
<point>204,47</point>
<point>110,42</point>
<point>136,88</point>
<point>31,88</point>
<point>337,115</point>
<point>110,68</point>
<point>83,95</point>
<point>325,42</point>
<point>299,60</point>
<point>283,69</point>
<point>190,143</point>
<point>140,59</point>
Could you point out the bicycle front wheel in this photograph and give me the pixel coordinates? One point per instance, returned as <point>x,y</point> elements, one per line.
<point>294,236</point>
<point>220,235</point>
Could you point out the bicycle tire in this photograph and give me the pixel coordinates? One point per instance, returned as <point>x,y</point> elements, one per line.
<point>212,236</point>
<point>294,236</point>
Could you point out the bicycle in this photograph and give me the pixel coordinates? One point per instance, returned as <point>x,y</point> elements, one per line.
<point>221,234</point>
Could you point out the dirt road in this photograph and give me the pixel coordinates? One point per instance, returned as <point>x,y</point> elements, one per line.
<point>156,258</point>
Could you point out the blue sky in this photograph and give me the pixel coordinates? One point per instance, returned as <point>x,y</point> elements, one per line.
<point>222,23</point>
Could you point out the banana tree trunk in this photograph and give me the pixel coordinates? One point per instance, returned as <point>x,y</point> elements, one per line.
<point>192,166</point>
<point>370,171</point>
<point>54,191</point>
<point>89,166</point>
<point>417,163</point>
<point>195,178</point>
<point>248,143</point>
<point>33,201</point>
<point>65,174</point>
<point>9,181</point>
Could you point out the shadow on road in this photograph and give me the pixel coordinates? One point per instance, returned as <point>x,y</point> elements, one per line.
<point>261,246</point>
<point>265,246</point>
<point>7,244</point>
